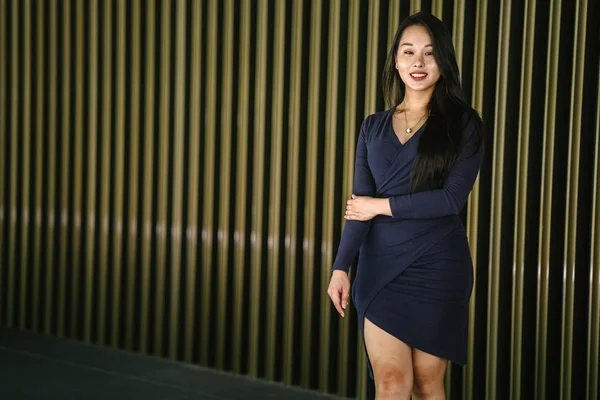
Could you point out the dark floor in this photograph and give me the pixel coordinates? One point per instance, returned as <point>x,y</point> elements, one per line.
<point>39,367</point>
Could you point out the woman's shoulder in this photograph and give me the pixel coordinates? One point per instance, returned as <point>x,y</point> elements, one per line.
<point>376,120</point>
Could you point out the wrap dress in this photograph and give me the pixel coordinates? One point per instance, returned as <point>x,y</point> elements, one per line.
<point>415,273</point>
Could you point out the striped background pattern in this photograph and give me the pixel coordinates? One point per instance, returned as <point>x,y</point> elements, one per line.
<point>173,175</point>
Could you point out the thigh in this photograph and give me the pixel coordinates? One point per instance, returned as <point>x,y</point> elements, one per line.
<point>428,369</point>
<point>388,355</point>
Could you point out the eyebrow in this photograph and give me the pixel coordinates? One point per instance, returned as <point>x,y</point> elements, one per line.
<point>410,44</point>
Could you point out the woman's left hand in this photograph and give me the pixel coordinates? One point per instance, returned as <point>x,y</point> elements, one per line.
<point>361,208</point>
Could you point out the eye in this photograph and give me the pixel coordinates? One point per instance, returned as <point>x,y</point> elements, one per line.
<point>408,52</point>
<point>429,53</point>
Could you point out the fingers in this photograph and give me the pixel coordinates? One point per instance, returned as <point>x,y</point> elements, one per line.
<point>345,293</point>
<point>334,294</point>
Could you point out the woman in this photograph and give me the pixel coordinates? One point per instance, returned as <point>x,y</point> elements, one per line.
<point>416,164</point>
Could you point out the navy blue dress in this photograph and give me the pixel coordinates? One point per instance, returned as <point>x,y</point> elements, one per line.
<point>415,273</point>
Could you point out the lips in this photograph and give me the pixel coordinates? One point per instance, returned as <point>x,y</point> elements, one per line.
<point>418,76</point>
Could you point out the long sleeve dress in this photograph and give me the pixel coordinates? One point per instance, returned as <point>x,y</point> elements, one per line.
<point>415,273</point>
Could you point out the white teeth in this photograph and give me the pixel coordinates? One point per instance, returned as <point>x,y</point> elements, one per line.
<point>419,75</point>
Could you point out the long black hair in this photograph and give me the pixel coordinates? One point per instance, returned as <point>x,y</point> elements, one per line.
<point>449,111</point>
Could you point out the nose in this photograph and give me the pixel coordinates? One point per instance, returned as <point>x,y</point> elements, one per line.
<point>419,61</point>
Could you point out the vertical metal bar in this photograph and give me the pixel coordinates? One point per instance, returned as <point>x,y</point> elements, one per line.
<point>350,151</point>
<point>331,214</point>
<point>593,345</point>
<point>437,9</point>
<point>310,190</point>
<point>130,226</point>
<point>546,197</point>
<point>74,268</point>
<point>258,195</point>
<point>291,226</point>
<point>393,21</point>
<point>39,155</point>
<point>177,195</point>
<point>243,94</point>
<point>64,168</point>
<point>496,207</point>
<point>150,94</point>
<point>473,202</point>
<point>118,167</point>
<point>521,196</point>
<point>194,176</point>
<point>458,38</point>
<point>415,6</point>
<point>92,133</point>
<point>276,175</point>
<point>372,73</point>
<point>107,97</point>
<point>51,166</point>
<point>209,181</point>
<point>458,29</point>
<point>4,131</point>
<point>570,243</point>
<point>14,134</point>
<point>163,168</point>
<point>25,136</point>
<point>225,133</point>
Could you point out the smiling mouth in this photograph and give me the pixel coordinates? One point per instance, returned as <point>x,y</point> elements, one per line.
<point>418,75</point>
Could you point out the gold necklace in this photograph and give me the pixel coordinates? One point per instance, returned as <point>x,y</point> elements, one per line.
<point>409,129</point>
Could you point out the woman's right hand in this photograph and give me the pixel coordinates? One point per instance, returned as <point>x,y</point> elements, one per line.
<point>339,290</point>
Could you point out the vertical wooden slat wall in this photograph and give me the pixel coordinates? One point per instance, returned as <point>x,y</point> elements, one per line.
<point>173,176</point>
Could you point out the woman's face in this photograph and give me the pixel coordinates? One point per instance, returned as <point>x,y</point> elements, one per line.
<point>415,61</point>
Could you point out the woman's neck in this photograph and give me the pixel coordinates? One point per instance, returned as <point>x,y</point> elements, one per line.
<point>416,100</point>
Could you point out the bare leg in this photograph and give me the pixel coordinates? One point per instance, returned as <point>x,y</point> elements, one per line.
<point>429,373</point>
<point>391,360</point>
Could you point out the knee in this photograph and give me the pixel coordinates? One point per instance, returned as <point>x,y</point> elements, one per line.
<point>427,384</point>
<point>391,380</point>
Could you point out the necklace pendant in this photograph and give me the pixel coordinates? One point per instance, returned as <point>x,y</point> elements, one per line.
<point>408,130</point>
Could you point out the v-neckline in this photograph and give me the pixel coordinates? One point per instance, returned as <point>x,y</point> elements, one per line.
<point>397,139</point>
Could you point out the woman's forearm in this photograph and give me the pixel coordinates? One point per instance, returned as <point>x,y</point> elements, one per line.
<point>382,207</point>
